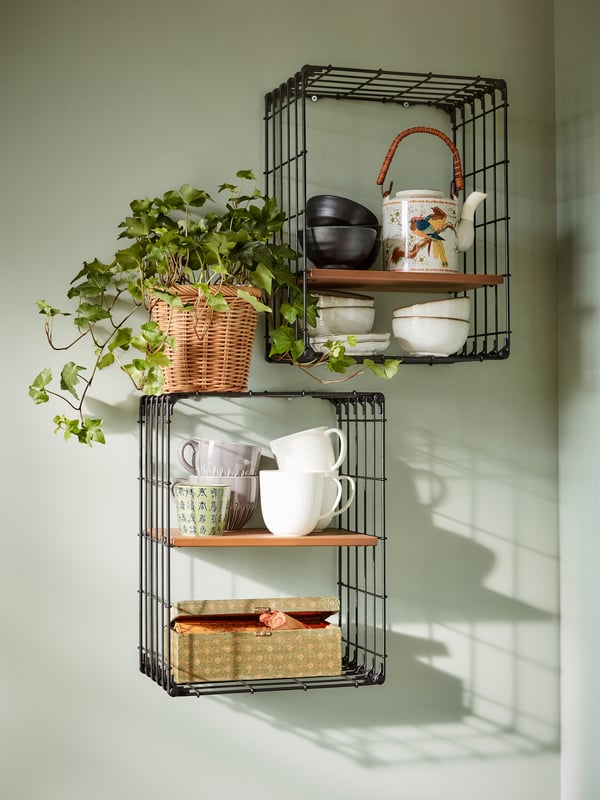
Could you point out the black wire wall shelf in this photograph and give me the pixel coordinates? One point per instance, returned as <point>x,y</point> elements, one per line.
<point>358,543</point>
<point>474,109</point>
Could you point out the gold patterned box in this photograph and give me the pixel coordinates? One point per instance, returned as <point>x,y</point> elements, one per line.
<point>225,640</point>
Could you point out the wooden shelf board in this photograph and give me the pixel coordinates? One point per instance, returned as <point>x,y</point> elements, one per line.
<point>259,537</point>
<point>390,281</point>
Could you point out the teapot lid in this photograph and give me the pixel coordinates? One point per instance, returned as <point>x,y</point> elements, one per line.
<point>420,193</point>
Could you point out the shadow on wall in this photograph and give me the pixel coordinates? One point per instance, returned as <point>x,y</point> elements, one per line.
<point>418,715</point>
<point>460,689</point>
<point>439,574</point>
<point>578,319</point>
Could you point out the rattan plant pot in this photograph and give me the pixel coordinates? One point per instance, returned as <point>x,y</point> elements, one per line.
<point>213,349</point>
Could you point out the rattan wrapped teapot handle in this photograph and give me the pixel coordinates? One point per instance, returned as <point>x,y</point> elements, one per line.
<point>459,182</point>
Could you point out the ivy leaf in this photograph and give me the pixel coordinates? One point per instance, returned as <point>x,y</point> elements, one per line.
<point>193,197</point>
<point>175,200</point>
<point>281,271</point>
<point>158,360</point>
<point>297,349</point>
<point>89,314</point>
<point>231,187</point>
<point>387,370</point>
<point>87,430</point>
<point>93,286</point>
<point>69,378</point>
<point>284,343</point>
<point>139,226</point>
<point>254,301</point>
<point>106,361</point>
<point>216,301</point>
<point>311,310</point>
<point>153,335</point>
<point>127,259</point>
<point>50,311</point>
<point>337,360</point>
<point>122,339</point>
<point>147,374</point>
<point>289,312</point>
<point>91,431</point>
<point>91,268</point>
<point>139,206</point>
<point>154,381</point>
<point>136,375</point>
<point>140,364</point>
<point>282,340</point>
<point>263,277</point>
<point>167,297</point>
<point>37,389</point>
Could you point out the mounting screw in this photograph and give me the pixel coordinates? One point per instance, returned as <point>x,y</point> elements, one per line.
<point>406,104</point>
<point>314,98</point>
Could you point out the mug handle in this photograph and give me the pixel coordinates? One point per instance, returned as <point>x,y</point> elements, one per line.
<point>342,437</point>
<point>351,494</point>
<point>174,484</point>
<point>338,497</point>
<point>183,459</point>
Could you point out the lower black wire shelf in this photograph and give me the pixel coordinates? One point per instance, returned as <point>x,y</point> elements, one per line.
<point>351,677</point>
<point>360,560</point>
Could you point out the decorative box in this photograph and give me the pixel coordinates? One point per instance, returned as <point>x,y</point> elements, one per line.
<point>224,640</point>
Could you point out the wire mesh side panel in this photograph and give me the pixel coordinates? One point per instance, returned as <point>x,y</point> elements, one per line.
<point>480,133</point>
<point>362,584</point>
<point>476,109</point>
<point>285,170</point>
<point>154,556</point>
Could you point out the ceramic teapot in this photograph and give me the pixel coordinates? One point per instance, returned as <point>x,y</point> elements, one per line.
<point>421,231</point>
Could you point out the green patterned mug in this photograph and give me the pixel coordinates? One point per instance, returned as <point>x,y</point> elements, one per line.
<point>201,509</point>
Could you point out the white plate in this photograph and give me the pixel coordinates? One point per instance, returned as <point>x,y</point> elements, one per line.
<point>368,344</point>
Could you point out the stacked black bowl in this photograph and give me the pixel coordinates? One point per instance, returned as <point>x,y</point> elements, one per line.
<point>340,233</point>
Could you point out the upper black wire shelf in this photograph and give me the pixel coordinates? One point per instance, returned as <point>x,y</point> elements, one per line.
<point>474,112</point>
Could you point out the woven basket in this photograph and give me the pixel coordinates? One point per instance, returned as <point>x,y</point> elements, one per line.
<point>213,348</point>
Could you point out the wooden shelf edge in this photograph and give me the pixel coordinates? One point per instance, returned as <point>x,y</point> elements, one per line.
<point>259,537</point>
<point>391,281</point>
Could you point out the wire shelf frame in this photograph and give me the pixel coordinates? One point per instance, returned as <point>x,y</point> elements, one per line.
<point>361,577</point>
<point>477,110</point>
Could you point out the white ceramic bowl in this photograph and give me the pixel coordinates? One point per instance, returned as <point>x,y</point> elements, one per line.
<point>341,319</point>
<point>430,336</point>
<point>339,298</point>
<point>452,307</point>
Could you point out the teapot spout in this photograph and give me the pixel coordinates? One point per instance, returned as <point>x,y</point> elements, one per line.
<point>465,230</point>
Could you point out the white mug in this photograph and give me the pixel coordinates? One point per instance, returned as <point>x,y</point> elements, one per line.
<point>310,450</point>
<point>292,502</point>
<point>329,494</point>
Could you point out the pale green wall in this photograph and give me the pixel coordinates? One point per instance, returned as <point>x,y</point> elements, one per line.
<point>578,259</point>
<point>102,102</point>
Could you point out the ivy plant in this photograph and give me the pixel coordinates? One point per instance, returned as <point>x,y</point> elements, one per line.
<point>181,237</point>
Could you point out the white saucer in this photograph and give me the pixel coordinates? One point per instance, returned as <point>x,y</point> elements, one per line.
<point>367,344</point>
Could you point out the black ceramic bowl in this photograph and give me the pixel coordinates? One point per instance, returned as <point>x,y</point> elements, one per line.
<point>330,209</point>
<point>338,246</point>
<point>372,257</point>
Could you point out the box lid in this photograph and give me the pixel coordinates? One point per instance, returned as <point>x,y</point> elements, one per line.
<point>255,605</point>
